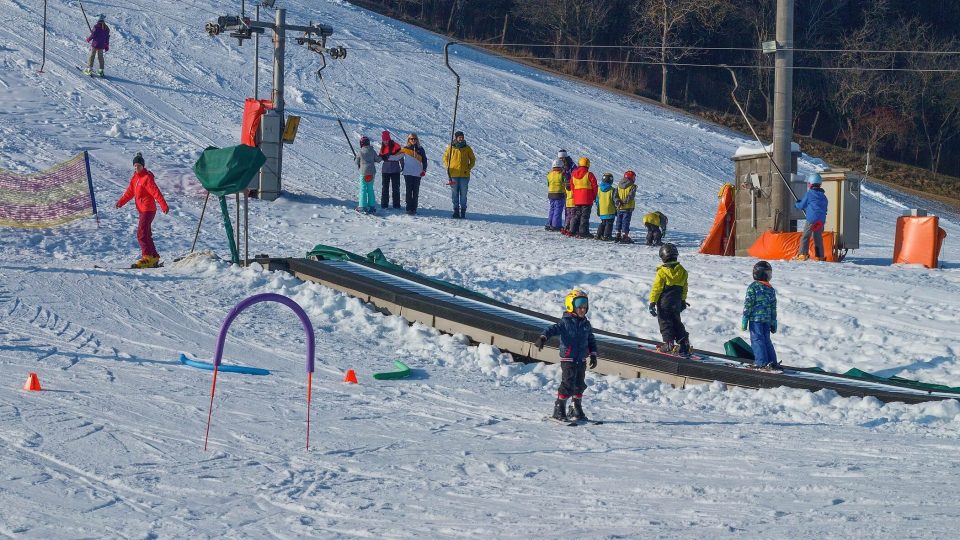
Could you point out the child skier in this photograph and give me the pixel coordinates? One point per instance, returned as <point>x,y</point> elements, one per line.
<point>760,315</point>
<point>623,199</point>
<point>606,210</point>
<point>366,161</point>
<point>576,344</point>
<point>583,184</point>
<point>99,41</point>
<point>656,223</point>
<point>668,298</point>
<point>145,193</point>
<point>814,205</point>
<point>556,195</point>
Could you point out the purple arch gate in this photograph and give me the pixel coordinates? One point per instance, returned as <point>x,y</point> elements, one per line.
<point>244,304</point>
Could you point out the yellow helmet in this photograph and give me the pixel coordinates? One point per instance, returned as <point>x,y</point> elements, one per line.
<point>571,298</point>
<point>584,162</point>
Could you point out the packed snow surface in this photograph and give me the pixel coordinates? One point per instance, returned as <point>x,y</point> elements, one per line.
<point>113,446</point>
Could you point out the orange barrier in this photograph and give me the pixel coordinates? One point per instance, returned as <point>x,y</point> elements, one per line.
<point>784,246</point>
<point>253,109</point>
<point>918,240</point>
<point>719,240</point>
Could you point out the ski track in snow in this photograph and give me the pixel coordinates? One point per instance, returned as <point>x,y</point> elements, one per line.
<point>113,446</point>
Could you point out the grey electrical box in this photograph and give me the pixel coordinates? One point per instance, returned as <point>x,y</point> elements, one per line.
<point>757,212</point>
<point>842,188</point>
<point>267,183</point>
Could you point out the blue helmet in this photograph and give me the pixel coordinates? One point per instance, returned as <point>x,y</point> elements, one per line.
<point>814,179</point>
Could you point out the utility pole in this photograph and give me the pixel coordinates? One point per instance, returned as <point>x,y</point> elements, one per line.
<point>783,116</point>
<point>268,186</point>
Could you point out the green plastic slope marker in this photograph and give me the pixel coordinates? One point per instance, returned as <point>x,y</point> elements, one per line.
<point>402,372</point>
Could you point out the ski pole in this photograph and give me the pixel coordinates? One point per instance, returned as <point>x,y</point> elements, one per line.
<point>85,17</point>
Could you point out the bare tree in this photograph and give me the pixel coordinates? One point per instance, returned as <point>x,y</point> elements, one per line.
<point>660,23</point>
<point>873,127</point>
<point>570,24</point>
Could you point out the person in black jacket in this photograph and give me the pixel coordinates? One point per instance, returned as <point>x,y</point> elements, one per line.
<point>576,344</point>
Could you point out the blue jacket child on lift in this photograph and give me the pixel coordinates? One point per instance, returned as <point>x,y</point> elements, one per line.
<point>576,344</point>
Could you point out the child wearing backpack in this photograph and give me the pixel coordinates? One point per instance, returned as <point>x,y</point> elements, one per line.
<point>557,195</point>
<point>606,210</point>
<point>577,342</point>
<point>760,316</point>
<point>366,160</point>
<point>624,200</point>
<point>668,297</point>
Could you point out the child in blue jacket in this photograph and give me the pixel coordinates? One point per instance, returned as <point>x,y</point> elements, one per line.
<point>576,344</point>
<point>760,315</point>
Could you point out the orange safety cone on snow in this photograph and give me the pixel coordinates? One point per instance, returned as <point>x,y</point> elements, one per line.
<point>33,383</point>
<point>351,377</point>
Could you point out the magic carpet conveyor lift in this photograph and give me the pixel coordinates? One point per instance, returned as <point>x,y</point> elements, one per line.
<point>454,310</point>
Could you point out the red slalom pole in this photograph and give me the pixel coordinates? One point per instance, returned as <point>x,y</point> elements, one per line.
<point>309,395</point>
<point>213,390</point>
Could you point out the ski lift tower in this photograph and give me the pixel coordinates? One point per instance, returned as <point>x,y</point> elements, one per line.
<point>274,130</point>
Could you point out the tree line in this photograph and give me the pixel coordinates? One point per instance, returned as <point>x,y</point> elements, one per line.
<point>849,90</point>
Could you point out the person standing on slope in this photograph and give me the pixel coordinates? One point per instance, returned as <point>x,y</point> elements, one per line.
<point>624,199</point>
<point>814,205</point>
<point>145,193</point>
<point>583,184</point>
<point>556,194</point>
<point>390,172</point>
<point>668,297</point>
<point>577,342</point>
<point>366,160</point>
<point>413,159</point>
<point>760,317</point>
<point>459,160</point>
<point>99,41</point>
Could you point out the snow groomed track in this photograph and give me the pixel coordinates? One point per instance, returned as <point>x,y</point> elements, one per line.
<point>512,329</point>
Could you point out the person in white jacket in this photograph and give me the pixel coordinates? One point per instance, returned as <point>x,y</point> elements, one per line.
<point>414,162</point>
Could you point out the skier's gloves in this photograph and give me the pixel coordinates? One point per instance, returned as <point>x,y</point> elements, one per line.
<point>653,309</point>
<point>743,323</point>
<point>593,361</point>
<point>540,341</point>
<point>684,306</point>
<point>773,327</point>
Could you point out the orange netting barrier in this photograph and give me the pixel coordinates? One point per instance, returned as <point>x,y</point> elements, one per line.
<point>918,240</point>
<point>719,240</point>
<point>783,246</point>
<point>253,109</point>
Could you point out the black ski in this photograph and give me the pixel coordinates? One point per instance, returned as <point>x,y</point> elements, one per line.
<point>561,422</point>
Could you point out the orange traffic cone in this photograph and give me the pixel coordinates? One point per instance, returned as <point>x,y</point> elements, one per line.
<point>351,377</point>
<point>33,383</point>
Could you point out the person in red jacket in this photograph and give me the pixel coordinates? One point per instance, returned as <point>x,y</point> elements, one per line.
<point>145,193</point>
<point>584,186</point>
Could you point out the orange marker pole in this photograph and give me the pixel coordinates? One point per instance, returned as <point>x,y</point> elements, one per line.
<point>213,390</point>
<point>309,395</point>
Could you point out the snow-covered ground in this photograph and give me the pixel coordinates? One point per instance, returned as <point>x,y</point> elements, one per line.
<point>113,446</point>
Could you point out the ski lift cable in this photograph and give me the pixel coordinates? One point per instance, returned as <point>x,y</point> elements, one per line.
<point>733,95</point>
<point>333,106</point>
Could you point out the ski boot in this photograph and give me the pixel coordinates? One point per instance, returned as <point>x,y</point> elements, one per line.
<point>626,239</point>
<point>683,347</point>
<point>88,71</point>
<point>617,239</point>
<point>456,213</point>
<point>668,347</point>
<point>559,410</point>
<point>575,412</point>
<point>99,73</point>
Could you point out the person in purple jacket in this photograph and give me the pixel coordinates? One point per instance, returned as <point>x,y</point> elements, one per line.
<point>99,41</point>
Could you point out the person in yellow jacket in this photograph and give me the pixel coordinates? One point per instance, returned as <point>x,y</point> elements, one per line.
<point>459,160</point>
<point>606,209</point>
<point>555,194</point>
<point>624,200</point>
<point>656,223</point>
<point>668,297</point>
